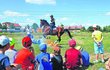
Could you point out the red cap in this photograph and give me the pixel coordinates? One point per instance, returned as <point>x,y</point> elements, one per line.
<point>26,41</point>
<point>72,43</point>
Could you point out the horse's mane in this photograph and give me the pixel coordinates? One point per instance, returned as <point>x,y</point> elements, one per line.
<point>45,22</point>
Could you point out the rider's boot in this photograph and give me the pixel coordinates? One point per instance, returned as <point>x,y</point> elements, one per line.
<point>51,31</point>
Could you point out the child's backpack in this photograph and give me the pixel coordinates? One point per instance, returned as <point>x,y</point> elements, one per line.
<point>46,64</point>
<point>2,66</point>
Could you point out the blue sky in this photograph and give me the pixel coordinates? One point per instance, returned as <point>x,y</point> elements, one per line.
<point>67,12</point>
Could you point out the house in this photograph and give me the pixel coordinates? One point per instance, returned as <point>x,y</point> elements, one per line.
<point>8,24</point>
<point>15,28</point>
<point>75,27</point>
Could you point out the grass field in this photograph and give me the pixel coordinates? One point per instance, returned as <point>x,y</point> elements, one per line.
<point>83,39</point>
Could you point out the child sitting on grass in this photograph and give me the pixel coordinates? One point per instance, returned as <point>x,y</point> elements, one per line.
<point>4,60</point>
<point>56,59</point>
<point>72,56</point>
<point>85,56</point>
<point>26,56</point>
<point>11,51</point>
<point>43,58</point>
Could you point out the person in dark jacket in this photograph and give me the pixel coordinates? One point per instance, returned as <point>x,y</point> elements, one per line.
<point>56,59</point>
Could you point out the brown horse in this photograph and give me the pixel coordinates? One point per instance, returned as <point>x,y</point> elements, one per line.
<point>59,31</point>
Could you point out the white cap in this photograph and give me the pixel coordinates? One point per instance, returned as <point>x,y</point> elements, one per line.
<point>95,25</point>
<point>3,40</point>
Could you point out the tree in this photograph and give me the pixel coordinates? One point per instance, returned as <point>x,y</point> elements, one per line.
<point>12,26</point>
<point>106,28</point>
<point>0,26</point>
<point>35,26</point>
<point>99,28</point>
<point>90,28</point>
<point>4,27</point>
<point>83,29</point>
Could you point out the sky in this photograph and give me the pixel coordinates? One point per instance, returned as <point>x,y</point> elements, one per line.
<point>67,12</point>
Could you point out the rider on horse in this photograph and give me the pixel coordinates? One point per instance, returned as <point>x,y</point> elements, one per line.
<point>59,31</point>
<point>52,24</point>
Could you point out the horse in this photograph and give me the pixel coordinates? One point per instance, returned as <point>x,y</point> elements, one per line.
<point>59,31</point>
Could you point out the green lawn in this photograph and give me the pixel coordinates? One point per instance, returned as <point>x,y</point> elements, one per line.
<point>83,39</point>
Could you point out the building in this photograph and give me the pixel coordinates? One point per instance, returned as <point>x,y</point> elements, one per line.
<point>75,27</point>
<point>11,27</point>
<point>8,24</point>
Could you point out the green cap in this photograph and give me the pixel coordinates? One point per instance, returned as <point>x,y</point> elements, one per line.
<point>12,41</point>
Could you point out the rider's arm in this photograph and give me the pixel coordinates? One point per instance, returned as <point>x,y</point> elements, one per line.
<point>52,20</point>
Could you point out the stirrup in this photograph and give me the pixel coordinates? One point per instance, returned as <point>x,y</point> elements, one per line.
<point>51,32</point>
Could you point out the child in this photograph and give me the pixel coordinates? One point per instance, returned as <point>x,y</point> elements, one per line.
<point>72,56</point>
<point>43,58</point>
<point>98,46</point>
<point>85,56</point>
<point>11,52</point>
<point>4,60</point>
<point>25,56</point>
<point>57,60</point>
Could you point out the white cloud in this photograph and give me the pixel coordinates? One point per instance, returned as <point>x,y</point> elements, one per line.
<point>30,20</point>
<point>40,2</point>
<point>2,17</point>
<point>73,23</point>
<point>45,16</point>
<point>27,21</point>
<point>62,19</point>
<point>14,14</point>
<point>88,24</point>
<point>108,13</point>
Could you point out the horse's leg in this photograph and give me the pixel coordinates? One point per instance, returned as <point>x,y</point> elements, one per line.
<point>59,39</point>
<point>44,35</point>
<point>59,36</point>
<point>66,30</point>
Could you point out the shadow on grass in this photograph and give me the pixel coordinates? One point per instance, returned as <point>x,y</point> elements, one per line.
<point>82,67</point>
<point>106,59</point>
<point>85,67</point>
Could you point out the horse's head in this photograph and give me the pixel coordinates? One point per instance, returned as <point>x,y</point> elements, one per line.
<point>43,23</point>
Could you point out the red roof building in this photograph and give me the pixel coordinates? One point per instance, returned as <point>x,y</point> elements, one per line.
<point>17,26</point>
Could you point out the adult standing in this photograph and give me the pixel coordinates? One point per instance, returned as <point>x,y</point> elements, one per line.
<point>98,46</point>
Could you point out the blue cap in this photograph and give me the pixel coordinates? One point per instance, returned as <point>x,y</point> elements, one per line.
<point>43,46</point>
<point>4,40</point>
